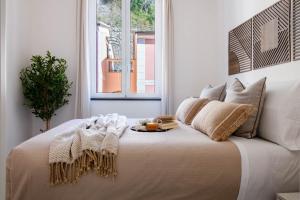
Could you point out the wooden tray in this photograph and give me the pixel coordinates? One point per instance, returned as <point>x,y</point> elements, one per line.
<point>137,129</point>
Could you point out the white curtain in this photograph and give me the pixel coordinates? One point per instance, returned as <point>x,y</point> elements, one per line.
<point>82,102</point>
<point>168,58</point>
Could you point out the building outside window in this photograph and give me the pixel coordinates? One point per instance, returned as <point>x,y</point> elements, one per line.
<point>128,49</point>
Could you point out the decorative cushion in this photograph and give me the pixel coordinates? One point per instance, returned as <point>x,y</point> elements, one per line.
<point>280,120</point>
<point>214,93</point>
<point>219,119</point>
<point>189,108</point>
<point>253,94</point>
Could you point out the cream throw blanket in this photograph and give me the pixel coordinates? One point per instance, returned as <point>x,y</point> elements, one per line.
<point>91,146</point>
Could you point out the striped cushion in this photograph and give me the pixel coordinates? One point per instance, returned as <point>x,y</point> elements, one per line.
<point>219,119</point>
<point>189,108</point>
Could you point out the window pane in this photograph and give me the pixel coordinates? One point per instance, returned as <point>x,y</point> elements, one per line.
<point>142,34</point>
<point>109,49</point>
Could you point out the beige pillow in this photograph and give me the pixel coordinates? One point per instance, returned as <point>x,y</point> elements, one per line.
<point>189,108</point>
<point>219,120</point>
<point>214,93</point>
<point>254,94</point>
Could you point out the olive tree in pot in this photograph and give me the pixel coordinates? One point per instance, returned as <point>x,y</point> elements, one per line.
<point>45,86</point>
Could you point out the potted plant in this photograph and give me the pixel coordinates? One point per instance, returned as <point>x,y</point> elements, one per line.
<point>45,86</point>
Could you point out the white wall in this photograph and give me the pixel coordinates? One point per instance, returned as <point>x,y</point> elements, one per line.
<point>236,12</point>
<point>52,26</point>
<point>17,54</point>
<point>132,109</point>
<point>196,47</point>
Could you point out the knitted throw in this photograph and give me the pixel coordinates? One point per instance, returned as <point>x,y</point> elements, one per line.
<point>91,146</point>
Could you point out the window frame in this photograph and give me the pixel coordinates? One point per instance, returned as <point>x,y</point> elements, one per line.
<point>126,55</point>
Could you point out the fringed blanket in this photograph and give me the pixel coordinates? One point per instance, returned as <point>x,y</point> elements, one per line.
<point>92,146</point>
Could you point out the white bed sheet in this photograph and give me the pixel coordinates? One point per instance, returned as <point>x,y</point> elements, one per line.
<point>267,169</point>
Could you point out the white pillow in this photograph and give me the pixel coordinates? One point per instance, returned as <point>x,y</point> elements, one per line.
<point>280,120</point>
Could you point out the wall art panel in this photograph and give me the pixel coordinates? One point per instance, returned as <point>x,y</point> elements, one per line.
<point>240,48</point>
<point>271,35</point>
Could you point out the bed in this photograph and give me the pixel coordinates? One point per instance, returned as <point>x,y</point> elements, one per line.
<point>179,164</point>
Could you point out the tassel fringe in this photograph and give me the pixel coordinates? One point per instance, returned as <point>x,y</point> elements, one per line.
<point>103,163</point>
<point>224,135</point>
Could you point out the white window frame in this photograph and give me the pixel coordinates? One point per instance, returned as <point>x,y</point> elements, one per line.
<point>126,68</point>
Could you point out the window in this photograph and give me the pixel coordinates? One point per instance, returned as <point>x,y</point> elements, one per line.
<point>128,49</point>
